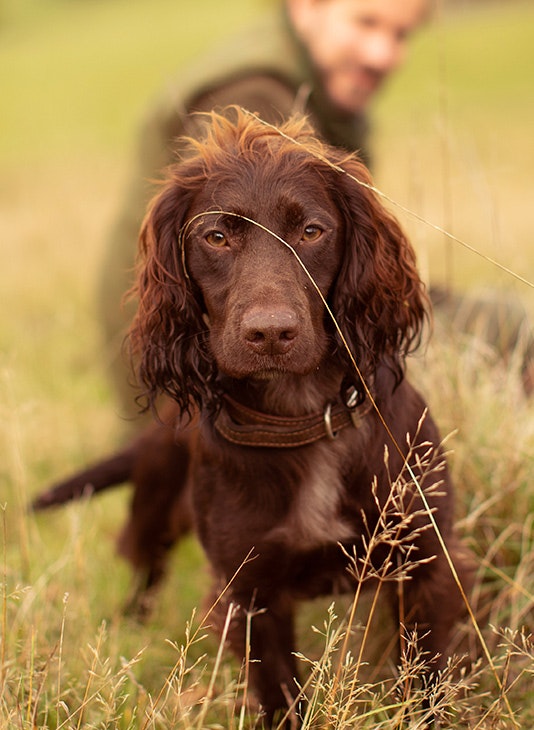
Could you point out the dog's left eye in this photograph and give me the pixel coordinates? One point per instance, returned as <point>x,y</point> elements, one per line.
<point>216,238</point>
<point>311,233</point>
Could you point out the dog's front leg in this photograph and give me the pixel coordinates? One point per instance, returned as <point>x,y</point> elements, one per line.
<point>262,632</point>
<point>431,603</point>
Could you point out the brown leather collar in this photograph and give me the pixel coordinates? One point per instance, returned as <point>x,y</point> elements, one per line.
<point>247,427</point>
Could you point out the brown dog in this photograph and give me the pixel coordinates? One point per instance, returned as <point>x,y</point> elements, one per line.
<point>300,458</point>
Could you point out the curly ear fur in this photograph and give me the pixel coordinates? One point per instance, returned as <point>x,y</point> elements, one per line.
<point>379,298</point>
<point>168,336</point>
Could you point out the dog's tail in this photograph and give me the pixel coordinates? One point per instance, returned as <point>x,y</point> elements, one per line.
<point>110,472</point>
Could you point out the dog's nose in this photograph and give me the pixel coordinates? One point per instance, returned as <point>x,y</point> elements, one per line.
<point>270,331</point>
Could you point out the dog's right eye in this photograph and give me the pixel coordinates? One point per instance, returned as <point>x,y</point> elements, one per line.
<point>311,233</point>
<point>216,238</point>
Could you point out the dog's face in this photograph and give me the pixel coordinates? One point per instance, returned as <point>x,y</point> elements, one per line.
<point>221,288</point>
<point>264,313</point>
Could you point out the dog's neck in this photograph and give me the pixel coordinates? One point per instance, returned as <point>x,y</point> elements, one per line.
<point>260,413</point>
<point>309,393</point>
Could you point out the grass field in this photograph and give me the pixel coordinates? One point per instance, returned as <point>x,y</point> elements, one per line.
<point>453,144</point>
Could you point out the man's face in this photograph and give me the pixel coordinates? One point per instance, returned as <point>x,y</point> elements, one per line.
<point>355,44</point>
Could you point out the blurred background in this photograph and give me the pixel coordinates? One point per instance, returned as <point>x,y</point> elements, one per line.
<point>453,142</point>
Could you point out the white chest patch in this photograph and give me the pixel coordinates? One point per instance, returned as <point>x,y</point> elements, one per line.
<point>314,517</point>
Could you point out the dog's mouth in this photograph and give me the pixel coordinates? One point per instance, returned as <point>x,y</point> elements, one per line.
<point>241,365</point>
<point>269,374</point>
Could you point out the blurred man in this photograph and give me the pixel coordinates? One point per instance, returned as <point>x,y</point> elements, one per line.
<point>324,58</point>
<point>354,46</point>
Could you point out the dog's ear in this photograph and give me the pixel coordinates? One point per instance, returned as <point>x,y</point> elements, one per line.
<point>168,335</point>
<point>379,298</point>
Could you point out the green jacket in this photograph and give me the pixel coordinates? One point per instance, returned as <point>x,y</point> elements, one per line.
<point>265,70</point>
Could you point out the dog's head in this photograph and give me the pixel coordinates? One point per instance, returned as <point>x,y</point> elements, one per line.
<point>252,232</point>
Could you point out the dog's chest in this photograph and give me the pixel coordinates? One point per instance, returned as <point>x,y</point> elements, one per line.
<point>314,515</point>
